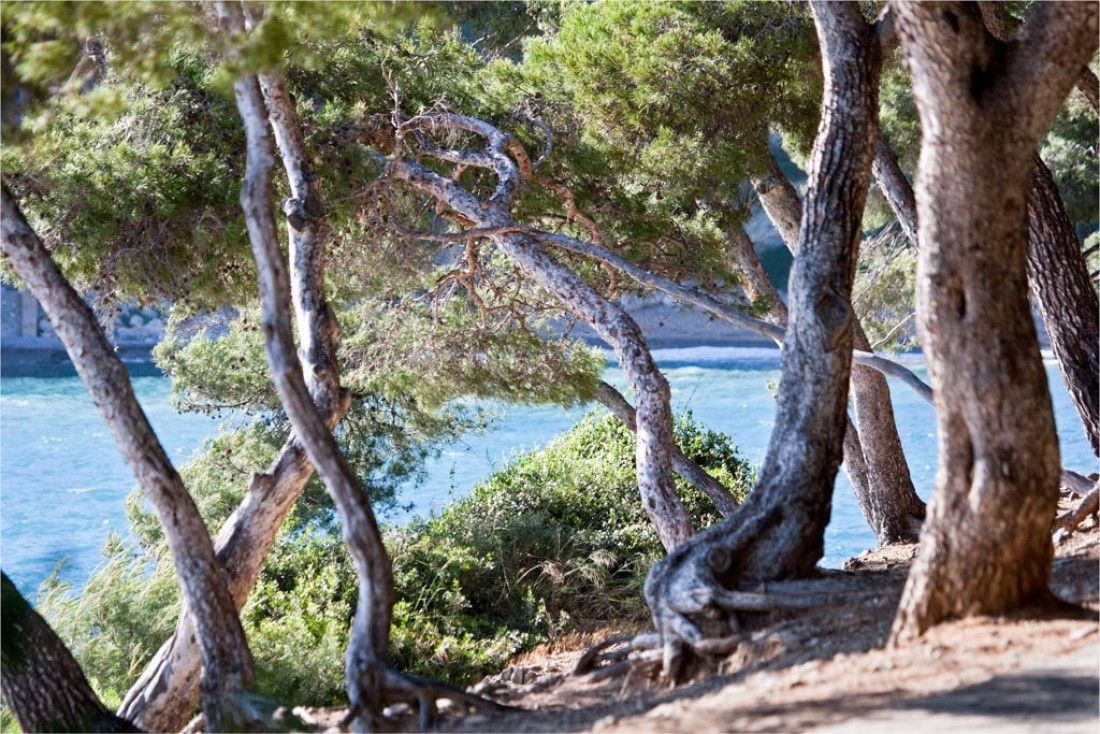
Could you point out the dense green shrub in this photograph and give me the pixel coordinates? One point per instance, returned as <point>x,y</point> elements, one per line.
<point>556,539</point>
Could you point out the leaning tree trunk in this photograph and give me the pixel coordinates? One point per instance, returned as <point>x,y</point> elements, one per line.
<point>166,693</point>
<point>654,435</point>
<point>779,532</point>
<point>42,682</point>
<point>1059,278</point>
<point>983,105</point>
<point>226,660</point>
<point>874,457</point>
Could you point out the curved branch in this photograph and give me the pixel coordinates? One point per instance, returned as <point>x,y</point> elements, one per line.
<point>614,401</point>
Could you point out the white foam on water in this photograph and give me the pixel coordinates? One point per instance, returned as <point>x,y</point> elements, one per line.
<point>710,355</point>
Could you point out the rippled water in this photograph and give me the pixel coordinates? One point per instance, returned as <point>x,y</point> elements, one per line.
<point>62,482</point>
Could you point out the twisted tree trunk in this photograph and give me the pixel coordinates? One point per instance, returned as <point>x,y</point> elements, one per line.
<point>874,457</point>
<point>778,532</point>
<point>42,682</point>
<point>1057,271</point>
<point>166,693</point>
<point>655,444</point>
<point>984,105</point>
<point>227,671</point>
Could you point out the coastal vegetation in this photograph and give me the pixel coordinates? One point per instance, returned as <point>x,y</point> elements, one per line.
<point>367,217</point>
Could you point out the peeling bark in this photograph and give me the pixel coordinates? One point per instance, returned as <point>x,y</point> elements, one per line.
<point>986,546</point>
<point>226,661</point>
<point>165,695</point>
<point>42,682</point>
<point>778,532</point>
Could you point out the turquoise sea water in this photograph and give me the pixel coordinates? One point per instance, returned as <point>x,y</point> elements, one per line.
<point>62,482</point>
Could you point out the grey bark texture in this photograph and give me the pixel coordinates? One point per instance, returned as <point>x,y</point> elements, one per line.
<point>653,456</point>
<point>874,457</point>
<point>780,201</point>
<point>694,474</point>
<point>1059,278</point>
<point>778,532</point>
<point>227,671</point>
<point>986,546</point>
<point>166,693</point>
<point>43,684</point>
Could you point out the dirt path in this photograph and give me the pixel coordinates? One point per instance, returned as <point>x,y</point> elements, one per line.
<point>830,672</point>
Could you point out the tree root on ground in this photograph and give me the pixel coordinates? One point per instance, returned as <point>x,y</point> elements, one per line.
<point>1066,524</point>
<point>648,657</point>
<point>400,693</point>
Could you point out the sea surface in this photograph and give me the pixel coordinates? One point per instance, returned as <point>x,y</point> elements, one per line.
<point>63,482</point>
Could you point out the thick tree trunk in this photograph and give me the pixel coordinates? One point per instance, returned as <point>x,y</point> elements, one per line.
<point>778,533</point>
<point>653,457</point>
<point>986,544</point>
<point>166,694</point>
<point>42,682</point>
<point>874,460</point>
<point>227,662</point>
<point>1059,278</point>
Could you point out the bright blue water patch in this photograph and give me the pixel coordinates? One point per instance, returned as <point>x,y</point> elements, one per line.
<point>62,482</point>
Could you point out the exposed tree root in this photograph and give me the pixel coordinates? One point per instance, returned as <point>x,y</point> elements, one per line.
<point>1066,524</point>
<point>421,693</point>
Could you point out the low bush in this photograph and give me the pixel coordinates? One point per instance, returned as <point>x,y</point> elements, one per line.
<point>554,541</point>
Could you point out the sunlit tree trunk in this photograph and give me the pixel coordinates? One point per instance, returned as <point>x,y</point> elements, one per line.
<point>166,693</point>
<point>778,532</point>
<point>984,105</point>
<point>42,682</point>
<point>227,671</point>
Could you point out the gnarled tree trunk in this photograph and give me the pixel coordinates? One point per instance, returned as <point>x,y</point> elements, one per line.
<point>654,452</point>
<point>778,533</point>
<point>42,682</point>
<point>874,457</point>
<point>166,693</point>
<point>983,105</point>
<point>226,660</point>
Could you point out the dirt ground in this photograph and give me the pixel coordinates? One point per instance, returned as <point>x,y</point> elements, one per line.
<point>830,670</point>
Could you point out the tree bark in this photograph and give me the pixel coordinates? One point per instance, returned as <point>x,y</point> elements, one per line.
<point>778,532</point>
<point>895,187</point>
<point>1059,278</point>
<point>879,472</point>
<point>780,201</point>
<point>985,547</point>
<point>723,501</point>
<point>1058,273</point>
<point>653,457</point>
<point>42,682</point>
<point>874,460</point>
<point>1089,86</point>
<point>166,693</point>
<point>226,660</point>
